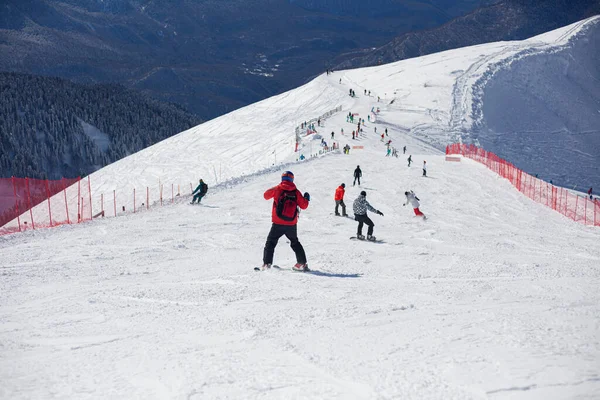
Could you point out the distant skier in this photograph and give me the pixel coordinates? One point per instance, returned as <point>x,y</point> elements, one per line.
<point>200,191</point>
<point>409,160</point>
<point>404,150</point>
<point>357,175</point>
<point>360,207</point>
<point>424,168</point>
<point>284,215</point>
<point>414,202</point>
<point>353,134</point>
<point>389,151</point>
<point>332,135</point>
<point>339,200</point>
<point>590,194</point>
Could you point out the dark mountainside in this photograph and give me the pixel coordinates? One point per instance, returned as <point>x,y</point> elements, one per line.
<point>506,20</point>
<point>211,56</point>
<point>53,128</point>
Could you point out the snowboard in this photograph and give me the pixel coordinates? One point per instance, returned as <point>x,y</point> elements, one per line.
<point>345,216</point>
<point>278,268</point>
<point>365,240</point>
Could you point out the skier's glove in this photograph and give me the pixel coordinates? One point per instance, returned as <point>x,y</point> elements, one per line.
<point>307,196</point>
<point>380,213</point>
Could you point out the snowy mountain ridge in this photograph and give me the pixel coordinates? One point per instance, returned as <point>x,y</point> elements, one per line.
<point>493,296</point>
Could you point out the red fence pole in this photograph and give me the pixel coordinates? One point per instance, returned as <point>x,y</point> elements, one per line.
<point>90,192</point>
<point>17,204</point>
<point>102,203</point>
<point>66,202</point>
<point>78,199</point>
<point>29,203</point>
<point>48,196</point>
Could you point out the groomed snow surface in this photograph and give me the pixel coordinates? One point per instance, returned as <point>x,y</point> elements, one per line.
<point>494,296</point>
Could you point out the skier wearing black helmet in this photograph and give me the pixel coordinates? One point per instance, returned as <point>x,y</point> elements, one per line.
<point>357,175</point>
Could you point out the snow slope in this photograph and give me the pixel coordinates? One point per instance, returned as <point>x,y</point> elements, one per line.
<point>494,296</point>
<point>547,105</point>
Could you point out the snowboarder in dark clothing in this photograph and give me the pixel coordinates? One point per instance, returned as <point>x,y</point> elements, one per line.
<point>404,150</point>
<point>360,207</point>
<point>409,160</point>
<point>332,135</point>
<point>590,194</point>
<point>284,215</point>
<point>424,168</point>
<point>200,191</point>
<point>357,175</point>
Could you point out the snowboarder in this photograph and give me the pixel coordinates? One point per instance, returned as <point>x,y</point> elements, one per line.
<point>360,207</point>
<point>414,202</point>
<point>424,168</point>
<point>404,150</point>
<point>200,191</point>
<point>409,159</point>
<point>284,215</point>
<point>332,135</point>
<point>339,200</point>
<point>357,175</point>
<point>389,151</point>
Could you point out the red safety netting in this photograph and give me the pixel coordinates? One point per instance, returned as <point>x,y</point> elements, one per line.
<point>569,203</point>
<point>27,203</point>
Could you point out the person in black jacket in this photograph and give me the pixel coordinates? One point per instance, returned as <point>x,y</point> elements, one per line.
<point>200,191</point>
<point>357,175</point>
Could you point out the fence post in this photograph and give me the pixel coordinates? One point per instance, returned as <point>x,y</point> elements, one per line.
<point>48,196</point>
<point>90,192</point>
<point>29,204</point>
<point>585,211</point>
<point>576,207</point>
<point>102,203</point>
<point>66,202</point>
<point>172,193</point>
<point>115,200</point>
<point>147,198</point>
<point>134,200</point>
<point>78,199</point>
<point>17,204</point>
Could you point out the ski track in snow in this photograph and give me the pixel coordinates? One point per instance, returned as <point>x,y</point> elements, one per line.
<point>494,296</point>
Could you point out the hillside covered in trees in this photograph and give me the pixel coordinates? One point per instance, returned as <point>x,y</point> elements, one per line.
<point>53,128</point>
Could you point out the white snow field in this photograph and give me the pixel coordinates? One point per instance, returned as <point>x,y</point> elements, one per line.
<point>492,297</point>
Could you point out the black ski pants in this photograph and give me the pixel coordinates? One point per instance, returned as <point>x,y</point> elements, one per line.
<point>363,219</point>
<point>355,179</point>
<point>198,196</point>
<point>339,203</point>
<point>277,231</point>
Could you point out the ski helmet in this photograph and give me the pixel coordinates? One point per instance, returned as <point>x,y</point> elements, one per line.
<point>287,176</point>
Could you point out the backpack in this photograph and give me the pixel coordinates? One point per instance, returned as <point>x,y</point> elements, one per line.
<point>204,188</point>
<point>287,206</point>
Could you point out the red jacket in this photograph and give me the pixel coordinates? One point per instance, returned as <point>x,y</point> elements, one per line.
<point>339,193</point>
<point>274,194</point>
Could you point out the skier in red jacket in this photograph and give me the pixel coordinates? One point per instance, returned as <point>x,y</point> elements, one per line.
<point>284,215</point>
<point>339,200</point>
